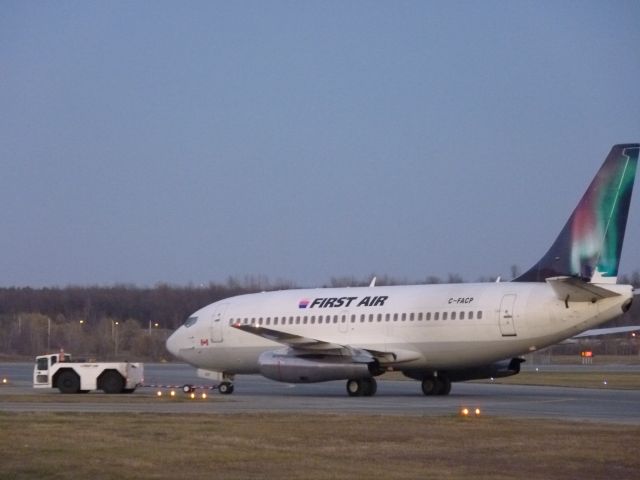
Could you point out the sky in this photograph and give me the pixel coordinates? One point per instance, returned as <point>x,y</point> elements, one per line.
<point>189,142</point>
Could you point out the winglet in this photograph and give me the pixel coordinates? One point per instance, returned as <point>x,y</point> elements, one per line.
<point>590,243</point>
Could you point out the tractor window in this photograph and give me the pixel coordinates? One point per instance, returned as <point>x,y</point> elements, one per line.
<point>42,364</point>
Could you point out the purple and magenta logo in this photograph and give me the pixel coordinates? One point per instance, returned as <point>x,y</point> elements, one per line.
<point>304,303</point>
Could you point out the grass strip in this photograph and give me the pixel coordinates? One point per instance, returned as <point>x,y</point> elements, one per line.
<point>252,446</point>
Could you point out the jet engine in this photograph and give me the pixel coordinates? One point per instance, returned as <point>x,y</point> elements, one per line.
<point>286,367</point>
<point>503,368</point>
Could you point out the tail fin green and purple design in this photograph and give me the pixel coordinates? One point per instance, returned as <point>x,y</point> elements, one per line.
<point>590,243</point>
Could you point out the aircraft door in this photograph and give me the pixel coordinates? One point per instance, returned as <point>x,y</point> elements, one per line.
<point>217,319</point>
<point>507,317</point>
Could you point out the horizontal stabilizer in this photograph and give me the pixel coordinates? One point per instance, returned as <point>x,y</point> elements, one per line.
<point>596,332</point>
<point>571,289</point>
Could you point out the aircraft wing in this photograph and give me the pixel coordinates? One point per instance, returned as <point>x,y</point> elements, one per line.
<point>291,340</point>
<point>312,345</point>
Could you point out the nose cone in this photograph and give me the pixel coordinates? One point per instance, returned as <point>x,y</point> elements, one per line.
<point>172,343</point>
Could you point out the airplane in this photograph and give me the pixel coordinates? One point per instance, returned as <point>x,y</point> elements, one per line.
<point>436,334</point>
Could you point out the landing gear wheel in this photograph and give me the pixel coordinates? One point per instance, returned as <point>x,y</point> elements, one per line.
<point>354,389</point>
<point>225,388</point>
<point>431,386</point>
<point>365,387</point>
<point>445,386</point>
<point>188,389</point>
<point>370,387</point>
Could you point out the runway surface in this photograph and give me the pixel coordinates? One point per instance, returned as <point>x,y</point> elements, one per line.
<point>256,394</point>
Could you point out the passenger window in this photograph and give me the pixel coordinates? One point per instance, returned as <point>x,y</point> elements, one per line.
<point>313,319</point>
<point>444,315</point>
<point>304,320</point>
<point>480,315</point>
<point>453,315</point>
<point>428,316</point>
<point>404,317</point>
<point>190,321</point>
<point>461,315</point>
<point>379,317</point>
<point>411,318</point>
<point>370,317</point>
<point>436,316</point>
<point>387,317</point>
<point>395,317</point>
<point>353,319</point>
<point>470,315</point>
<point>419,316</point>
<point>362,318</point>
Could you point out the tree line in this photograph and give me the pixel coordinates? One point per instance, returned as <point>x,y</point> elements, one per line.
<point>126,321</point>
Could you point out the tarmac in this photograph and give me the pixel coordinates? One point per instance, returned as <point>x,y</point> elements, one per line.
<point>255,394</point>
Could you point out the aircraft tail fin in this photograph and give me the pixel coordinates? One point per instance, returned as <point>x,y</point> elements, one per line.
<point>590,243</point>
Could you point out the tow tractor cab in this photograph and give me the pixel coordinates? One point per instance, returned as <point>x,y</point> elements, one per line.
<point>57,370</point>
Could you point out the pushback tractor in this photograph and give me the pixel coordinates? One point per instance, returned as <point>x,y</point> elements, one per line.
<point>57,370</point>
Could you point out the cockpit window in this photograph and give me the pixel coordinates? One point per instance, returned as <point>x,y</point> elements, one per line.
<point>190,321</point>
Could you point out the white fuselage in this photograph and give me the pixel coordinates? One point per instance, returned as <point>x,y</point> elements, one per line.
<point>421,326</point>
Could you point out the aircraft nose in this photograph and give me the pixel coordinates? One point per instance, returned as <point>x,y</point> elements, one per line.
<point>172,344</point>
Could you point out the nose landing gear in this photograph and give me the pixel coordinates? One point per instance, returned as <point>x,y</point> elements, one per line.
<point>225,388</point>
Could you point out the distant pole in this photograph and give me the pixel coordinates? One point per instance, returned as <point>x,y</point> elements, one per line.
<point>114,337</point>
<point>48,334</point>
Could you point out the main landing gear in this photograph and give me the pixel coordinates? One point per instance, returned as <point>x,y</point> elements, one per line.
<point>433,385</point>
<point>364,387</point>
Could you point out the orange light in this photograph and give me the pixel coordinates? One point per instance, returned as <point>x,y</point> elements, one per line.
<point>464,412</point>
<point>477,412</point>
<point>5,381</point>
<point>172,393</point>
<point>204,396</point>
<point>159,393</point>
<point>192,395</point>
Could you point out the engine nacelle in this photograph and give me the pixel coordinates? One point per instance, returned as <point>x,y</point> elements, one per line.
<point>503,368</point>
<point>294,369</point>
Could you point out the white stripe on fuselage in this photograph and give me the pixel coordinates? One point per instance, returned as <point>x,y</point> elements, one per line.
<point>535,319</point>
